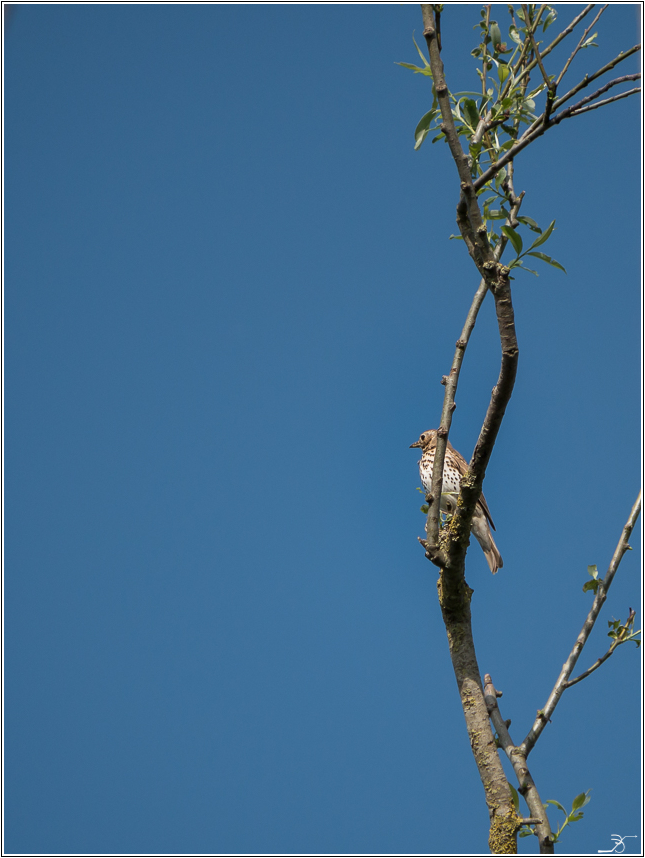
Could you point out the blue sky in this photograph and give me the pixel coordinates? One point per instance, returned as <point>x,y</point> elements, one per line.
<point>230,298</point>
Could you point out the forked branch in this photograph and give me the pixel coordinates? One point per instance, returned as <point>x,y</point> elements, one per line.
<point>601,595</point>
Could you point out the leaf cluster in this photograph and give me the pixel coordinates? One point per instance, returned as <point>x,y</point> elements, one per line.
<point>492,120</point>
<point>575,815</point>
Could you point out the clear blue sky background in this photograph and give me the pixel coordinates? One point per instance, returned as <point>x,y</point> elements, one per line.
<point>230,298</point>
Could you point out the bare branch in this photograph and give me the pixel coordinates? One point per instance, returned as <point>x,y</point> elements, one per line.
<point>579,45</point>
<point>615,82</point>
<point>526,784</point>
<point>603,103</point>
<point>554,698</point>
<point>590,78</point>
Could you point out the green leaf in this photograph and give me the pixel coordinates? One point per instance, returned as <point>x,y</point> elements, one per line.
<point>495,35</point>
<point>419,51</point>
<point>556,804</point>
<point>589,43</point>
<point>544,237</point>
<point>521,265</point>
<point>513,33</point>
<point>458,237</point>
<point>548,259</point>
<point>424,508</point>
<point>471,112</point>
<point>502,72</point>
<point>550,18</point>
<point>516,798</point>
<point>528,221</point>
<point>593,571</point>
<point>514,238</point>
<point>581,800</point>
<point>525,832</point>
<point>590,585</point>
<point>422,129</point>
<point>415,69</point>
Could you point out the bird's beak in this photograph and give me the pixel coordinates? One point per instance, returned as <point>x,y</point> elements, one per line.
<point>416,444</point>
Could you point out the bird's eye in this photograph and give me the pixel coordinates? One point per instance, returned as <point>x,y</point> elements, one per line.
<point>423,437</point>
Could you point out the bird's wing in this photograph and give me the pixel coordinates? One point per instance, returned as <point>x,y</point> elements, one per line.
<point>462,467</point>
<point>482,503</point>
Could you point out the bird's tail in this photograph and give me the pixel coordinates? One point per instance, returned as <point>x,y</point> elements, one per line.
<point>493,557</point>
<point>481,531</point>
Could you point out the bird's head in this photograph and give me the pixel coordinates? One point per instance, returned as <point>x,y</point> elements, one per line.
<point>426,439</point>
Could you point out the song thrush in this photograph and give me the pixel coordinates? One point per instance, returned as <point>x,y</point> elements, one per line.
<point>454,468</point>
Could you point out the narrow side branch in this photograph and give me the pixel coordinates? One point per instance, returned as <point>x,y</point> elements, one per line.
<point>580,44</point>
<point>538,128</point>
<point>554,698</point>
<point>625,636</point>
<point>526,784</point>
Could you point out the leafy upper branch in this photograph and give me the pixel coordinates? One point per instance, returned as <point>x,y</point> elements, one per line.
<point>491,121</point>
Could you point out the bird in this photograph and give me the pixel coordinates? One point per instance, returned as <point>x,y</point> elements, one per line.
<point>454,468</point>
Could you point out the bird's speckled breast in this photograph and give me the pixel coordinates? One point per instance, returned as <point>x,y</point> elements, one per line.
<point>451,476</point>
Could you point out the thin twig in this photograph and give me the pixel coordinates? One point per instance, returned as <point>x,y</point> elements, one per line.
<point>536,51</point>
<point>615,82</point>
<point>531,28</point>
<point>571,111</point>
<point>603,103</point>
<point>550,85</point>
<point>545,714</point>
<point>624,637</point>
<point>579,45</point>
<point>485,51</point>
<point>587,79</point>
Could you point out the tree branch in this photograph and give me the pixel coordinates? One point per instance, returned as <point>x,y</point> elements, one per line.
<point>624,637</point>
<point>579,45</point>
<point>452,380</point>
<point>536,51</point>
<point>526,784</point>
<point>554,698</point>
<point>578,112</point>
<point>537,129</point>
<point>473,230</point>
<point>557,39</point>
<point>454,593</point>
<point>587,79</point>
